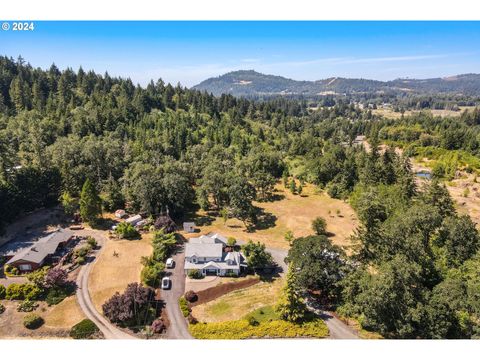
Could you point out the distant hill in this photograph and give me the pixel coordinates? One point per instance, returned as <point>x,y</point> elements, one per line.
<point>251,83</point>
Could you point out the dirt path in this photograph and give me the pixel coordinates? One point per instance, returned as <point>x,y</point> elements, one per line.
<point>109,331</point>
<point>178,328</point>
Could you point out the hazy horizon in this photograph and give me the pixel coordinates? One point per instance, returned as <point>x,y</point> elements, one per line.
<point>191,51</point>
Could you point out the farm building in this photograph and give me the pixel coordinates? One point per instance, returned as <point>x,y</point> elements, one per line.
<point>134,220</point>
<point>189,227</point>
<point>120,213</point>
<point>34,256</point>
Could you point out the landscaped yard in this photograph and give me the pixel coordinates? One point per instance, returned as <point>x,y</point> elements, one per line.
<point>113,273</point>
<point>262,323</point>
<point>294,213</point>
<point>237,304</point>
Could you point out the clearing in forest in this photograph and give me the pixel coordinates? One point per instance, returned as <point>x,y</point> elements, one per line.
<point>288,212</point>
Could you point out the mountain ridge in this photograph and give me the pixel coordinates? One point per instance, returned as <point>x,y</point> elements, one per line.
<point>253,83</point>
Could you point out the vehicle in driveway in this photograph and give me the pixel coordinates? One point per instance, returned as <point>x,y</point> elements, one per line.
<point>166,283</point>
<point>170,263</point>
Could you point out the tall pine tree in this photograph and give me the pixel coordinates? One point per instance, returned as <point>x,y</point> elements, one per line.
<point>90,203</point>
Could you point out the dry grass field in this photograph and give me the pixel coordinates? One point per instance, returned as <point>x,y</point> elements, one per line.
<point>113,273</point>
<point>390,114</point>
<point>237,304</point>
<point>291,212</point>
<point>66,314</point>
<point>58,320</point>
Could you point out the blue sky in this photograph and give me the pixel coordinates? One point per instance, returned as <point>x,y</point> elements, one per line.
<point>189,52</point>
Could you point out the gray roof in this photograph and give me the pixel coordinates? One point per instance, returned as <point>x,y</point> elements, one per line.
<point>203,250</point>
<point>188,224</point>
<point>43,247</point>
<point>239,259</point>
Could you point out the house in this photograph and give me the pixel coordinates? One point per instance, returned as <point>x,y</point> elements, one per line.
<point>189,227</point>
<point>206,254</point>
<point>134,220</point>
<point>34,256</point>
<point>119,213</point>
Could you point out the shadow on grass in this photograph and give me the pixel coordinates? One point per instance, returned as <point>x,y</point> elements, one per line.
<point>265,220</point>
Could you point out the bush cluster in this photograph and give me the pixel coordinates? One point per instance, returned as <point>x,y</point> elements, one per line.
<point>184,307</point>
<point>23,292</point>
<point>3,292</point>
<point>195,274</point>
<point>27,306</point>
<point>85,329</point>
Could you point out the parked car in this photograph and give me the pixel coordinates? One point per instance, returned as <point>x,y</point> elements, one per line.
<point>166,283</point>
<point>170,263</point>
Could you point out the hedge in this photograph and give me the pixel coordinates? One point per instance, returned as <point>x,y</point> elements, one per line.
<point>184,306</point>
<point>3,292</point>
<point>242,329</point>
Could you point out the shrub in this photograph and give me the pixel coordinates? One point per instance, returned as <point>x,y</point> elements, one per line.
<point>2,308</point>
<point>85,329</point>
<point>132,308</point>
<point>27,306</point>
<point>191,296</point>
<point>195,274</point>
<point>319,226</point>
<point>126,231</point>
<point>252,321</point>
<point>32,321</point>
<point>3,292</point>
<point>83,251</point>
<point>191,319</point>
<point>80,260</point>
<point>92,242</point>
<point>152,273</point>
<point>158,326</point>
<point>56,277</point>
<point>231,241</point>
<point>23,292</point>
<point>57,295</point>
<point>184,306</point>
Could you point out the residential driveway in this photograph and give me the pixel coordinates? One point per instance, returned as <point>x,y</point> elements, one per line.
<point>337,328</point>
<point>201,284</point>
<point>178,328</point>
<point>109,330</point>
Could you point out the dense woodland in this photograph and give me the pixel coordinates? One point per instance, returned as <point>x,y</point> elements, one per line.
<point>413,273</point>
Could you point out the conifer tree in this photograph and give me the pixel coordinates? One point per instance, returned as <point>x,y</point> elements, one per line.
<point>90,203</point>
<point>291,306</point>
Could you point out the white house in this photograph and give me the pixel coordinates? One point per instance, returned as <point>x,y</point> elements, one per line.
<point>206,255</point>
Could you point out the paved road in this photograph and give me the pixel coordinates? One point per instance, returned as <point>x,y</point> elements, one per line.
<point>83,296</point>
<point>337,328</point>
<point>178,328</point>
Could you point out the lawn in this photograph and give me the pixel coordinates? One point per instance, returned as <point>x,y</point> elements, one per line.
<point>65,314</point>
<point>268,326</point>
<point>290,212</point>
<point>237,304</point>
<point>113,273</point>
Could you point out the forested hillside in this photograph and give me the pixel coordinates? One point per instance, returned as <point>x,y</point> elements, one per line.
<point>413,272</point>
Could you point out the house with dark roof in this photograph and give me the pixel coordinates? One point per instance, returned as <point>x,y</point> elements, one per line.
<point>206,254</point>
<point>44,249</point>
